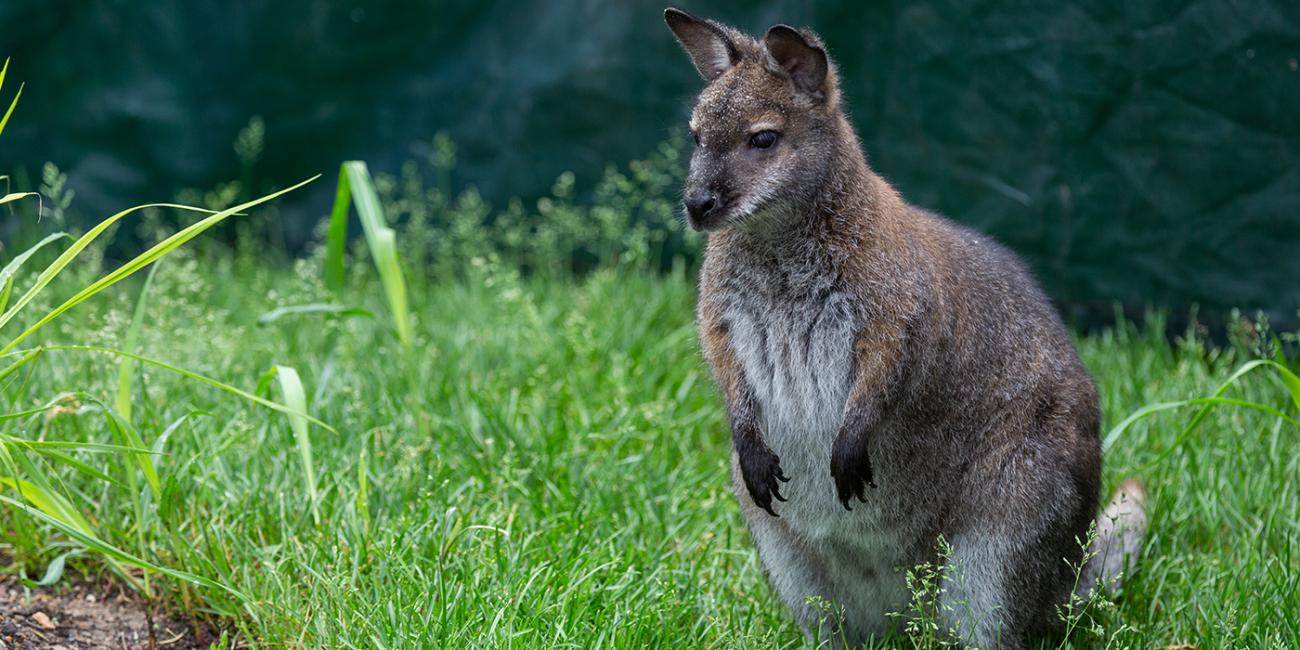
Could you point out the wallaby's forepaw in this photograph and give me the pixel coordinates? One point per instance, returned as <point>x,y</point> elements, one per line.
<point>851,468</point>
<point>761,469</point>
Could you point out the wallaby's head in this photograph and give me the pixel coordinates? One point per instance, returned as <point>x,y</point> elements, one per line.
<point>765,127</point>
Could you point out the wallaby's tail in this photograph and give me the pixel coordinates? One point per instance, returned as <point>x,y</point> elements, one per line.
<point>1121,527</point>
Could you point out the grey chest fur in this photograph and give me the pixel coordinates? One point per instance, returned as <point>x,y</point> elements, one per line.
<point>797,354</point>
<point>796,350</point>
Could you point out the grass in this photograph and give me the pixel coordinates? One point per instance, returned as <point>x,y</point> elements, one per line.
<point>545,466</point>
<point>468,456</point>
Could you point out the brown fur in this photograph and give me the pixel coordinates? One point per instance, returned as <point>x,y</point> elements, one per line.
<point>960,405</point>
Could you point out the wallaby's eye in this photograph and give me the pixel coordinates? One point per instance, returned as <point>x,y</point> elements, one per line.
<point>763,139</point>
<point>695,135</point>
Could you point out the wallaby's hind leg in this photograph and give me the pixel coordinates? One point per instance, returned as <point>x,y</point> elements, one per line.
<point>795,577</point>
<point>1028,509</point>
<point>973,604</point>
<point>791,568</point>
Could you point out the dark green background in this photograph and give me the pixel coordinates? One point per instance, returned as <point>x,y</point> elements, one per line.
<point>1141,152</point>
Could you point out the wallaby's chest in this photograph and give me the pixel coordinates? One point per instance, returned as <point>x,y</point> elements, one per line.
<point>796,349</point>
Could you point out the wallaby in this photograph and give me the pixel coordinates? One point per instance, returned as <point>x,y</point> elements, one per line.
<point>890,377</point>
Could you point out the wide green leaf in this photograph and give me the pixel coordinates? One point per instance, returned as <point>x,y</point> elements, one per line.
<point>295,398</point>
<point>356,187</point>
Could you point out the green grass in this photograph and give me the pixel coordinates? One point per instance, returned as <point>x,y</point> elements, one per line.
<point>318,457</point>
<point>545,466</point>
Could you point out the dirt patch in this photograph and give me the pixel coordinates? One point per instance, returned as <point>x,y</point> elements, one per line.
<point>87,616</point>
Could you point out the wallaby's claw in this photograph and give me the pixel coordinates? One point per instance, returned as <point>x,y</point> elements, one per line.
<point>852,485</point>
<point>761,470</point>
<point>851,469</point>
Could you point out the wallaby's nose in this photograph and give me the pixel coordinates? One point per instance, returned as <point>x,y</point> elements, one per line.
<point>699,204</point>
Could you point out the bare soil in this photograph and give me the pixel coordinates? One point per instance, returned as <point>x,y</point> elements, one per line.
<point>86,616</point>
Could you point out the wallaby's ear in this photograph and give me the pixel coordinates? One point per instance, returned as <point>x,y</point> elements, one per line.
<point>804,61</point>
<point>709,46</point>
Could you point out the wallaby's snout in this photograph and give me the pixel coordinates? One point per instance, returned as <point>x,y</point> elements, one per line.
<point>701,205</point>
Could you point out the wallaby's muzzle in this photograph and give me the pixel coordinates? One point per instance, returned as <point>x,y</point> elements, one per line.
<point>702,207</point>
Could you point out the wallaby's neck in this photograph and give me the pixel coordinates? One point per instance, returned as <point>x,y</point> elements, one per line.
<point>850,193</point>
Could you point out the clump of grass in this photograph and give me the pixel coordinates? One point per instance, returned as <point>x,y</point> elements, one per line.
<point>31,464</point>
<point>1083,617</point>
<point>923,624</point>
<point>29,477</point>
<point>1288,379</point>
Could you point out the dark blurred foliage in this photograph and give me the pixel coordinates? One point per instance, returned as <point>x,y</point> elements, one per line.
<point>1134,152</point>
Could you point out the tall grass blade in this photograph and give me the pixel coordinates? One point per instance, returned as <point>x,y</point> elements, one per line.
<point>313,308</point>
<point>125,368</point>
<point>47,501</point>
<point>48,448</point>
<point>62,261</point>
<point>296,398</point>
<point>69,461</point>
<point>1289,378</point>
<point>1209,403</point>
<point>140,261</point>
<point>275,406</point>
<point>38,491</point>
<point>363,492</point>
<point>131,438</point>
<point>93,543</point>
<point>30,356</point>
<point>390,272</point>
<point>14,104</point>
<point>166,435</point>
<point>355,186</point>
<point>7,273</point>
<point>42,446</point>
<point>336,241</point>
<point>15,196</point>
